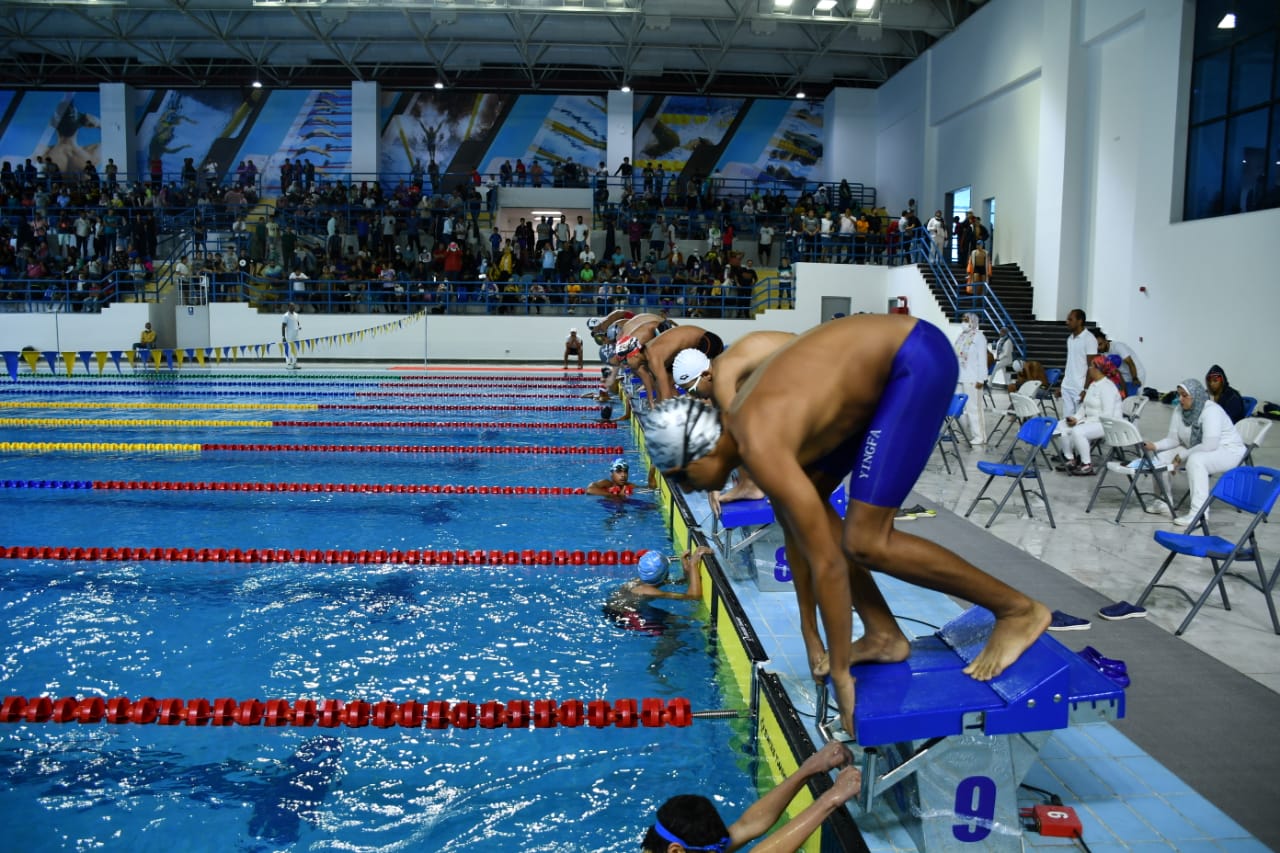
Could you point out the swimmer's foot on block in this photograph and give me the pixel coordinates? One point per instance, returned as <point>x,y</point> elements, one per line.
<point>911,513</point>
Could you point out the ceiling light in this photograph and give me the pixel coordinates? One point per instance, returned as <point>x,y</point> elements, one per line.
<point>1228,21</point>
<point>546,213</point>
<point>864,5</point>
<point>782,4</point>
<point>800,95</point>
<point>626,89</point>
<point>439,84</point>
<point>257,84</point>
<point>825,5</point>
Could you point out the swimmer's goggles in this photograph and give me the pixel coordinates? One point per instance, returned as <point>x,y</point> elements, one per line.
<point>620,465</point>
<point>719,847</point>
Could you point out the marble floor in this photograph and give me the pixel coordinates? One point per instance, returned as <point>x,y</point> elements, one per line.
<point>1118,560</point>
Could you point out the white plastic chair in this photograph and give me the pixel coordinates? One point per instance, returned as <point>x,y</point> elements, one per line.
<point>1121,436</point>
<point>1132,407</point>
<point>1253,431</point>
<point>1022,407</point>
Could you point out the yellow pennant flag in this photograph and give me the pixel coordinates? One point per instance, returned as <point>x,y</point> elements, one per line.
<point>32,358</point>
<point>200,354</point>
<point>69,359</point>
<point>101,357</point>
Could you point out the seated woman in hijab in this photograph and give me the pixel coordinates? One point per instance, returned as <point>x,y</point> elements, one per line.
<point>1103,392</point>
<point>1221,392</point>
<point>1202,439</point>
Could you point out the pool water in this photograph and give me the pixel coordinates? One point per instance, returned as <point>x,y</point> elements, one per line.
<point>344,631</point>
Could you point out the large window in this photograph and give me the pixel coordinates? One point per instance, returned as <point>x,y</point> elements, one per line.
<point>1233,151</point>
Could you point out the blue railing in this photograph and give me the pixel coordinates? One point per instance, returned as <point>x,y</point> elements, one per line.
<point>986,304</point>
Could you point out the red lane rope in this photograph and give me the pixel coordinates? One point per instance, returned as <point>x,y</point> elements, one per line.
<point>357,488</point>
<point>409,448</point>
<point>457,557</point>
<point>411,407</point>
<point>332,713</point>
<point>450,424</point>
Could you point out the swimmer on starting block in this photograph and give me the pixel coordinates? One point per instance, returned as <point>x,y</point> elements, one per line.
<point>863,397</point>
<point>652,357</point>
<point>691,822</point>
<point>692,371</point>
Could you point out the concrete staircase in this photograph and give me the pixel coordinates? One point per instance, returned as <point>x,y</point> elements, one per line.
<point>1046,339</point>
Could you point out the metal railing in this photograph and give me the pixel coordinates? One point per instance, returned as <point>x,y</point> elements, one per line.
<point>985,303</point>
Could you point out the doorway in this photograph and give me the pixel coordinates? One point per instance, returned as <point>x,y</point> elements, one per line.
<point>957,205</point>
<point>989,220</point>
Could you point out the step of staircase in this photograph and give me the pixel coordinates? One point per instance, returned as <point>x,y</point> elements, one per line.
<point>1045,339</point>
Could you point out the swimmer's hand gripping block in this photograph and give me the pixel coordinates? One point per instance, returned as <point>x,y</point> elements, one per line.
<point>928,695</point>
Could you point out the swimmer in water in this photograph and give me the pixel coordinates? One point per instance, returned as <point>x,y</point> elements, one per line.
<point>862,395</point>
<point>619,484</point>
<point>654,571</point>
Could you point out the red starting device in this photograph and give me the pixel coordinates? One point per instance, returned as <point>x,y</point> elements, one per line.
<point>1057,821</point>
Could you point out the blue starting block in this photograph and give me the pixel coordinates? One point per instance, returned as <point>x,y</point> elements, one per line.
<point>947,753</point>
<point>761,544</point>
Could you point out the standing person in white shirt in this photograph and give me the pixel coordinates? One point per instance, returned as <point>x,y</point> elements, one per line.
<point>764,245</point>
<point>1081,347</point>
<point>290,327</point>
<point>971,352</point>
<point>937,229</point>
<point>1201,438</point>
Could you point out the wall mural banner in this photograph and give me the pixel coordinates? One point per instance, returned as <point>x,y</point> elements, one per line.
<point>61,126</point>
<point>770,141</point>
<point>453,130</point>
<point>218,129</point>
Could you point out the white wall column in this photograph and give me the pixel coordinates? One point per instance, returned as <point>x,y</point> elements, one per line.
<point>364,130</point>
<point>115,106</point>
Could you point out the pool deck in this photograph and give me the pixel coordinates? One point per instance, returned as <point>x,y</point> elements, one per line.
<point>1159,779</point>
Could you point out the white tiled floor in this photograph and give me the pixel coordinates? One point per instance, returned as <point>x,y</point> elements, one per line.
<point>1118,560</point>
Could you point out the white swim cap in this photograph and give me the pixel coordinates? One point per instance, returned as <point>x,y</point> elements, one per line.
<point>688,366</point>
<point>592,323</point>
<point>652,567</point>
<point>678,431</point>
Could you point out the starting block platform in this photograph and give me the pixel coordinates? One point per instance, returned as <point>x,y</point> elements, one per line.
<point>947,753</point>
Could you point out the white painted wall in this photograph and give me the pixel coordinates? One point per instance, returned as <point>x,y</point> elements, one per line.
<point>849,136</point>
<point>1072,114</point>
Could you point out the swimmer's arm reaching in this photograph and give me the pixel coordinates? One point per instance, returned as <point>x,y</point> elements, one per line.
<point>765,812</point>
<point>691,565</point>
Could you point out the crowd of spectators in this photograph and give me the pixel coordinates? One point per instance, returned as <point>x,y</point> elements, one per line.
<point>686,245</point>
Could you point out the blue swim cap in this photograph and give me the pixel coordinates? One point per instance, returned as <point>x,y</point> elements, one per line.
<point>652,567</point>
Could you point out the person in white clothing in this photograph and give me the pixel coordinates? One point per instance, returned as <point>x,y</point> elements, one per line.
<point>1004,358</point>
<point>1082,346</point>
<point>1202,439</point>
<point>937,229</point>
<point>1101,400</point>
<point>971,352</point>
<point>290,326</point>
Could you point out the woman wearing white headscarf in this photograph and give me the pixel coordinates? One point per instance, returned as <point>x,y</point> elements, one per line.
<point>1201,438</point>
<point>971,352</point>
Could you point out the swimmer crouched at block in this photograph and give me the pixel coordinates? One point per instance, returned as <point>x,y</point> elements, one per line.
<point>691,822</point>
<point>864,395</point>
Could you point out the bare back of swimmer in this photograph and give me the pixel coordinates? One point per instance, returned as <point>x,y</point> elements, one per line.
<point>864,397</point>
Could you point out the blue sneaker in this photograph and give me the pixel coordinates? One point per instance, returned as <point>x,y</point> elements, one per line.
<point>1067,622</point>
<point>1122,610</point>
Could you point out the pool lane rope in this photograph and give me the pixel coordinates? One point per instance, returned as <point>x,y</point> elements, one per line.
<point>378,557</point>
<point>311,392</point>
<point>293,383</point>
<point>209,423</point>
<point>356,488</point>
<point>173,447</point>
<point>335,713</point>
<point>297,407</point>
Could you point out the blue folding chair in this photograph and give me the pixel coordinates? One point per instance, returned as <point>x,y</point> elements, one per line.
<point>948,443</point>
<point>1252,490</point>
<point>1250,403</point>
<point>1034,436</point>
<point>1045,393</point>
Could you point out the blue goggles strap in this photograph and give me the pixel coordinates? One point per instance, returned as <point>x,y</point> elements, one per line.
<point>719,847</point>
